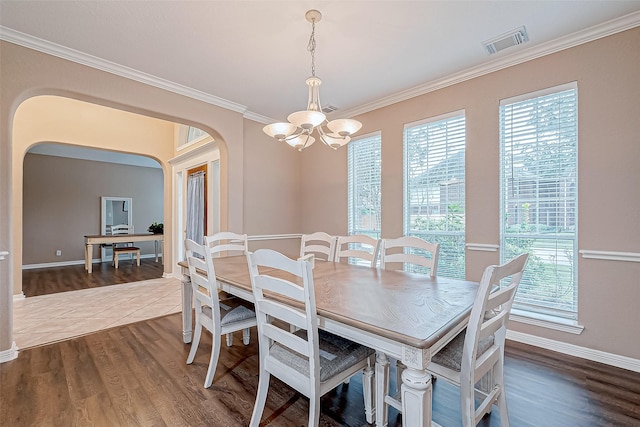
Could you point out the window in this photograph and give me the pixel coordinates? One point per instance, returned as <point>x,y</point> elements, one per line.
<point>189,135</point>
<point>195,133</point>
<point>434,187</point>
<point>538,169</point>
<point>364,169</point>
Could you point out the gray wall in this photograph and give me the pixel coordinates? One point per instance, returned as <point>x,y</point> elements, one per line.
<point>62,203</point>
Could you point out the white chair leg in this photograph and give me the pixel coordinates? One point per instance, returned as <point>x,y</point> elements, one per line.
<point>194,343</point>
<point>498,373</point>
<point>261,398</point>
<point>246,336</point>
<point>213,362</point>
<point>314,410</point>
<point>368,393</point>
<point>229,339</point>
<point>467,405</point>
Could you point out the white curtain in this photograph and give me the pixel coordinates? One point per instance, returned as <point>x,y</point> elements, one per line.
<point>195,207</point>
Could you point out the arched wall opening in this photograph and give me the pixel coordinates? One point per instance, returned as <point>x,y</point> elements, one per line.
<point>74,122</point>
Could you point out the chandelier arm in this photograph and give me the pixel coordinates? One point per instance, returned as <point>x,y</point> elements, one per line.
<point>294,135</point>
<point>328,144</point>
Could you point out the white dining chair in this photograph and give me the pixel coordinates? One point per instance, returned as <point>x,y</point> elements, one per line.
<point>413,254</point>
<point>411,250</point>
<point>320,244</point>
<point>358,248</point>
<point>309,360</point>
<point>220,317</point>
<point>476,355</point>
<point>227,243</point>
<point>124,248</point>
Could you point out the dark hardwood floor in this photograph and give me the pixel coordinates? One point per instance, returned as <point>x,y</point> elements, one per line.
<point>136,375</point>
<point>44,281</point>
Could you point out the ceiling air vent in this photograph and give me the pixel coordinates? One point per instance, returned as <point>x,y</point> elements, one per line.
<point>329,109</point>
<point>503,41</point>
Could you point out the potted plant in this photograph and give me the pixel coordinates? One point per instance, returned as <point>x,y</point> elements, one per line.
<point>156,228</point>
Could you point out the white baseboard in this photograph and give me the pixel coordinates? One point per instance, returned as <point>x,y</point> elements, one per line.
<point>74,262</point>
<point>577,351</point>
<point>10,354</point>
<point>19,296</point>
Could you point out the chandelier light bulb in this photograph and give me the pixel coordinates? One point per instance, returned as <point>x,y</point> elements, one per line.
<point>307,119</point>
<point>300,142</point>
<point>344,127</point>
<point>280,130</point>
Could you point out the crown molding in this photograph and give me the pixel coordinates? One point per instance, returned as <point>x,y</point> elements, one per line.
<point>202,149</point>
<point>605,29</point>
<point>73,55</point>
<point>608,28</point>
<point>258,118</point>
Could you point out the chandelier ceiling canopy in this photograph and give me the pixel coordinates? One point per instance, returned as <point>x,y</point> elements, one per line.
<point>298,131</point>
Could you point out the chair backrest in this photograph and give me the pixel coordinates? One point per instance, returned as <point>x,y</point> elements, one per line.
<point>227,243</point>
<point>358,246</point>
<point>489,317</point>
<point>279,303</point>
<point>120,229</point>
<point>414,251</point>
<point>203,277</point>
<point>320,244</point>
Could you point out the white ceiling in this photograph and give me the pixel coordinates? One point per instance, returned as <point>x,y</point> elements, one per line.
<point>251,55</point>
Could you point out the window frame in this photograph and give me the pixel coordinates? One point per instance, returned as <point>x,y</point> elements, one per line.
<point>351,147</point>
<point>432,235</point>
<point>522,307</point>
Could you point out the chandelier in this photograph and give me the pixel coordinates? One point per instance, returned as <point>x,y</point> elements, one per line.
<point>298,131</point>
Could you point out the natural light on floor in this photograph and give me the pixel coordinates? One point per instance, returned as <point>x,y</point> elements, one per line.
<point>55,317</point>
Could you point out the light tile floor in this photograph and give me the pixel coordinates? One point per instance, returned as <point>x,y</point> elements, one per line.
<point>56,317</point>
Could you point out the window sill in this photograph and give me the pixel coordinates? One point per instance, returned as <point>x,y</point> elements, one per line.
<point>546,321</point>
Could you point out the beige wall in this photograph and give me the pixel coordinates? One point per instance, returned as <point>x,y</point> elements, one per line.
<point>609,89</point>
<point>608,76</point>
<point>25,73</point>
<point>61,204</point>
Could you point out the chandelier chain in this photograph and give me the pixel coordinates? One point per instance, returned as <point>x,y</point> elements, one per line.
<point>311,47</point>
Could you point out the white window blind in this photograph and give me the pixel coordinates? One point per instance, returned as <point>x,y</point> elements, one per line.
<point>434,195</point>
<point>539,141</point>
<point>364,171</point>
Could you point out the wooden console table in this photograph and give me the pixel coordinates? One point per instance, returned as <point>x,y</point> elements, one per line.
<point>100,239</point>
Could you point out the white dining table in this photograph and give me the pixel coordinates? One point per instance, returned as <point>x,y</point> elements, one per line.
<point>405,316</point>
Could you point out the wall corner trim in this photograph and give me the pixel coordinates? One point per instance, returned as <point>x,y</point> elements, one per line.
<point>611,359</point>
<point>10,354</point>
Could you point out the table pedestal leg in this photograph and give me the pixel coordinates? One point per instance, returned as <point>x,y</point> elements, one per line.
<point>187,320</point>
<point>416,397</point>
<point>382,388</point>
<point>88,258</point>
